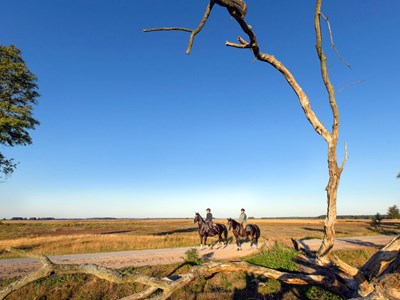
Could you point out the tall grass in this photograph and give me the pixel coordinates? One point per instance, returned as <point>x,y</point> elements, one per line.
<point>78,244</point>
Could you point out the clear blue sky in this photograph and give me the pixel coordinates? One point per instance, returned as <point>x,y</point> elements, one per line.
<point>133,127</point>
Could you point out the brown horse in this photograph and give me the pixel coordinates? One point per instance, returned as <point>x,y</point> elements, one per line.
<point>204,232</point>
<point>252,230</point>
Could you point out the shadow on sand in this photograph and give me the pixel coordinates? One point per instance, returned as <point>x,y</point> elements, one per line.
<point>185,230</point>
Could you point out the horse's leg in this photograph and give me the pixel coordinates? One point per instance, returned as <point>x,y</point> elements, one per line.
<point>220,240</point>
<point>211,245</point>
<point>201,242</point>
<point>239,247</point>
<point>256,236</point>
<point>216,244</point>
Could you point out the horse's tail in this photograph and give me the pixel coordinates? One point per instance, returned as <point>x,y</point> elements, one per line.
<point>258,232</point>
<point>225,232</point>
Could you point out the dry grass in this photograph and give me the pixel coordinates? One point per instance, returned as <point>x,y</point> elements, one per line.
<point>77,244</point>
<point>62,237</point>
<point>89,236</point>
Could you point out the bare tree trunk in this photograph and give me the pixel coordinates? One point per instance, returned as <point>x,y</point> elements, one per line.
<point>333,168</point>
<point>331,191</point>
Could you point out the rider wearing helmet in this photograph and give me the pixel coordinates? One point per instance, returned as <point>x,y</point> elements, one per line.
<point>243,219</point>
<point>209,220</point>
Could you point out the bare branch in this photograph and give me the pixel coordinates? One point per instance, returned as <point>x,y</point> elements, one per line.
<point>332,43</point>
<point>141,295</point>
<point>192,31</point>
<point>382,259</point>
<point>346,156</point>
<point>43,259</point>
<point>364,287</point>
<point>234,45</point>
<point>347,85</point>
<point>236,7</point>
<point>167,29</point>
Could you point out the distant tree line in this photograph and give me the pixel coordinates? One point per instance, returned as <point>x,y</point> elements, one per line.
<point>31,218</point>
<point>52,218</point>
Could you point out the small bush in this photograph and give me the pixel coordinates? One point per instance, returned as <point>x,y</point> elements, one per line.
<point>317,293</point>
<point>270,286</point>
<point>192,257</point>
<point>376,221</point>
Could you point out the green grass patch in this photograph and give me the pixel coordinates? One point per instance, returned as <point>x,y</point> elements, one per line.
<point>279,257</point>
<point>355,257</point>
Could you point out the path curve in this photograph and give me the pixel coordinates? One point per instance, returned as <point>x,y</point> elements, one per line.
<point>23,266</point>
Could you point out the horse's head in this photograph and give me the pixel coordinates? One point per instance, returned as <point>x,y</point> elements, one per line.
<point>229,223</point>
<point>196,217</point>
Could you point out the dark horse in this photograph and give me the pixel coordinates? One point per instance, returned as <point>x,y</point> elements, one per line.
<point>204,232</point>
<point>252,230</point>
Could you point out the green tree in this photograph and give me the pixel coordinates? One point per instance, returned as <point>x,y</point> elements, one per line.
<point>398,176</point>
<point>393,212</point>
<point>18,94</point>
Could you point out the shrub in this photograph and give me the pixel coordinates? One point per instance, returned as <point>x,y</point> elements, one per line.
<point>377,221</point>
<point>317,293</point>
<point>192,257</point>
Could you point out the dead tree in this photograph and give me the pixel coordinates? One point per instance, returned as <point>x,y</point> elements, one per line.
<point>235,9</point>
<point>378,277</point>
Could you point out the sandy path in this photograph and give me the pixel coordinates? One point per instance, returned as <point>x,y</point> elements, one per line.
<point>23,266</point>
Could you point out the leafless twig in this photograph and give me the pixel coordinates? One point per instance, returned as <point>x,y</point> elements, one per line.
<point>192,31</point>
<point>347,85</point>
<point>332,43</point>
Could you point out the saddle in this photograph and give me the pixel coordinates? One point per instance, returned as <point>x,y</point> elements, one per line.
<point>245,232</point>
<point>209,230</point>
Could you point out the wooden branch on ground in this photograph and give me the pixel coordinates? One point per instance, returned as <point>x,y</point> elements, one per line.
<point>381,260</point>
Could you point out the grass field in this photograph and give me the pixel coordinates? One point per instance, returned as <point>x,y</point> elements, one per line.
<point>57,237</point>
<point>68,237</point>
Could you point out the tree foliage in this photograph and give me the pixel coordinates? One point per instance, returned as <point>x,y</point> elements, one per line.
<point>18,95</point>
<point>393,212</point>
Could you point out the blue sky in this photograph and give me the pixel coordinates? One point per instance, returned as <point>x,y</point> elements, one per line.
<point>133,127</point>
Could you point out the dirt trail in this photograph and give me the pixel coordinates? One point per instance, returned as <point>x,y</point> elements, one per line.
<point>23,266</point>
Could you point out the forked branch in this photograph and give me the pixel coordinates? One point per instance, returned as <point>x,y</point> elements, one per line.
<point>237,8</point>
<point>193,32</point>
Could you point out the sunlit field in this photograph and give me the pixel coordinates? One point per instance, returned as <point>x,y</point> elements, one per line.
<point>57,237</point>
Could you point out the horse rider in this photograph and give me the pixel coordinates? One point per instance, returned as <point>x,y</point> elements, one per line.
<point>243,219</point>
<point>209,220</point>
